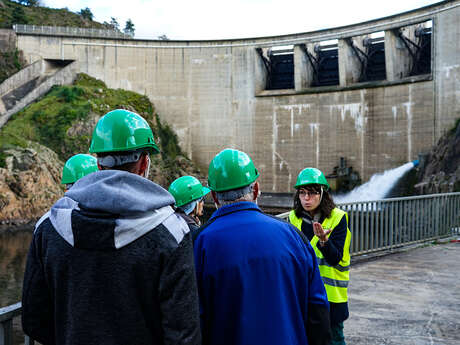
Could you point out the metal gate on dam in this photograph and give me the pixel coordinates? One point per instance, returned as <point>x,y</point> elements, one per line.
<point>377,93</point>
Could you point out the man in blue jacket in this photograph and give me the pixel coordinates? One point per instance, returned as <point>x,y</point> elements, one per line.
<point>258,279</point>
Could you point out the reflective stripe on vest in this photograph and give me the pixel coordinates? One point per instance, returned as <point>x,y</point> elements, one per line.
<point>335,278</point>
<point>322,261</point>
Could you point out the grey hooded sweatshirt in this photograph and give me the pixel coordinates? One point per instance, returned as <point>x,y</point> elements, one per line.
<point>111,263</point>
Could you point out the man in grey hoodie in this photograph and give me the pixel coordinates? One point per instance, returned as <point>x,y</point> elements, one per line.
<point>111,263</point>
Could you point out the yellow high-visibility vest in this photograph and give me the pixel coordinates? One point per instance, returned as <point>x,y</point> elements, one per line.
<point>335,278</point>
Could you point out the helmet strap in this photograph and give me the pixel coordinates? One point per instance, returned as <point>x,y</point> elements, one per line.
<point>321,197</point>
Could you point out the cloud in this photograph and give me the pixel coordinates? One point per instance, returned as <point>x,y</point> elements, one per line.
<point>214,19</point>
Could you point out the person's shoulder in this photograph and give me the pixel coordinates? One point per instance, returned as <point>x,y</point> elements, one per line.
<point>43,228</point>
<point>277,221</point>
<point>171,231</point>
<point>337,212</point>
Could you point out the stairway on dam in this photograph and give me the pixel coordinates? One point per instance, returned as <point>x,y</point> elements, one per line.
<point>31,83</point>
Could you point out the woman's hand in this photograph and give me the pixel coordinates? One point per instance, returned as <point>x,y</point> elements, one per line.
<point>320,232</point>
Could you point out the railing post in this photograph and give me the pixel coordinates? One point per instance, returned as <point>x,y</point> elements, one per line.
<point>6,332</point>
<point>28,341</point>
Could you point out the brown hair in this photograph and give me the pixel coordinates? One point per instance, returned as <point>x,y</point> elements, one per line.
<point>326,205</point>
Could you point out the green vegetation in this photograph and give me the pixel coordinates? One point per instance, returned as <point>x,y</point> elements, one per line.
<point>63,121</point>
<point>170,148</point>
<point>129,28</point>
<point>454,128</point>
<point>14,13</point>
<point>86,13</point>
<point>10,63</point>
<point>48,121</point>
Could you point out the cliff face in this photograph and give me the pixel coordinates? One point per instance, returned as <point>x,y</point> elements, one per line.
<point>29,183</point>
<point>440,173</point>
<point>36,142</point>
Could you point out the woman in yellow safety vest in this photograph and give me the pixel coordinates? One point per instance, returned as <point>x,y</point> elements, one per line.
<point>326,227</point>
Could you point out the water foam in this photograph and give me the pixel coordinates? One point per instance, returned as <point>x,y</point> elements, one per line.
<point>377,187</point>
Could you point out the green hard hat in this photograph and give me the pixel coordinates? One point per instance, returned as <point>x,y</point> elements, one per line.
<point>78,166</point>
<point>186,189</point>
<point>231,169</point>
<point>122,130</point>
<point>311,176</point>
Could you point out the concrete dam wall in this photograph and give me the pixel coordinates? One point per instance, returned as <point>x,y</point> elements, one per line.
<point>377,93</point>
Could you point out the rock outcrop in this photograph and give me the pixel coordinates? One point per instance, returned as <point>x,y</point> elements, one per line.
<point>440,172</point>
<point>29,183</point>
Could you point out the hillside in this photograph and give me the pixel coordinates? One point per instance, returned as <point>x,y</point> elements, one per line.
<point>36,142</point>
<point>11,60</point>
<point>13,13</point>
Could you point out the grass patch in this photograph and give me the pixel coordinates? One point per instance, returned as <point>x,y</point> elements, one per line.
<point>169,143</point>
<point>48,121</point>
<point>454,129</point>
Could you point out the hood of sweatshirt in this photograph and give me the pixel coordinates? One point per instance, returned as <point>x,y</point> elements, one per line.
<point>109,209</point>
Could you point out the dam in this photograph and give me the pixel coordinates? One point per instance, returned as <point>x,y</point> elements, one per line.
<point>377,93</point>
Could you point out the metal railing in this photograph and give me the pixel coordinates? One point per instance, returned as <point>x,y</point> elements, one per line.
<point>391,223</point>
<point>375,226</point>
<point>6,324</point>
<point>68,31</point>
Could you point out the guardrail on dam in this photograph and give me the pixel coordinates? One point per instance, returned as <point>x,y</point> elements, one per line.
<point>378,93</point>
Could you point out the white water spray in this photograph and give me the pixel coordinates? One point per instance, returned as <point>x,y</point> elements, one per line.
<point>377,187</point>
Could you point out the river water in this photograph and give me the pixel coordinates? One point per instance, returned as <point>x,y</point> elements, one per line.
<point>14,245</point>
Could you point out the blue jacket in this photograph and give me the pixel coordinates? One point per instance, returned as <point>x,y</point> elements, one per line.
<point>258,281</point>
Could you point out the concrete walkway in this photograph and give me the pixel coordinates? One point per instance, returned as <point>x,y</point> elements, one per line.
<point>412,297</point>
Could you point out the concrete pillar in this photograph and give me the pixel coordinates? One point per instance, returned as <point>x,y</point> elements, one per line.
<point>349,63</point>
<point>303,69</point>
<point>397,56</point>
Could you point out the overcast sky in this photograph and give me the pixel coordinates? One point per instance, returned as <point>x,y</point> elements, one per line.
<point>214,19</point>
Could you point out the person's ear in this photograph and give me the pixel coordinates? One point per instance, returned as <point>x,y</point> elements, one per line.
<point>256,191</point>
<point>214,197</point>
<point>143,164</point>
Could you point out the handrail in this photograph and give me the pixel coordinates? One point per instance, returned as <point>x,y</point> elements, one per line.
<point>69,31</point>
<point>6,324</point>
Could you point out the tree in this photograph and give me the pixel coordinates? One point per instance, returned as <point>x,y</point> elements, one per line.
<point>114,24</point>
<point>129,28</point>
<point>18,16</point>
<point>86,13</point>
<point>163,38</point>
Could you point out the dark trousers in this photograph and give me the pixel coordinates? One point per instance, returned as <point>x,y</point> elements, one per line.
<point>337,334</point>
